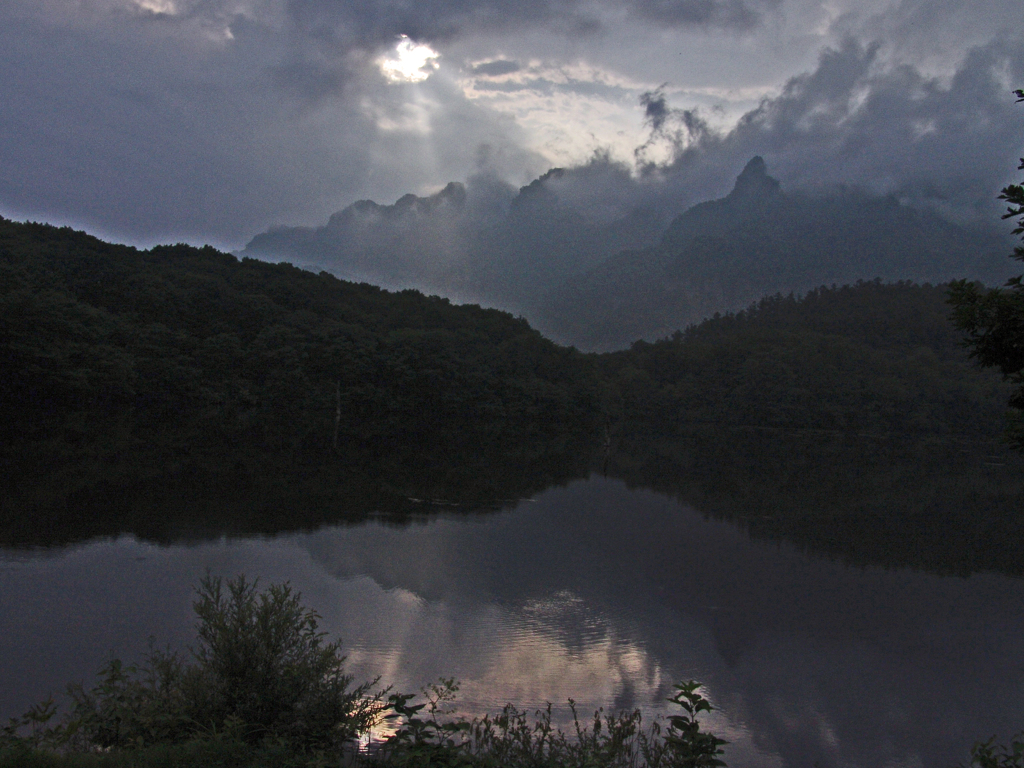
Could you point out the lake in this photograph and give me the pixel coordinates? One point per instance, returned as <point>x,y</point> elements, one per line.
<point>594,591</point>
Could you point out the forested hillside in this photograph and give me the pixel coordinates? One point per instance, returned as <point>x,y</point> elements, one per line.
<point>850,420</point>
<point>180,389</point>
<point>121,364</point>
<point>871,358</point>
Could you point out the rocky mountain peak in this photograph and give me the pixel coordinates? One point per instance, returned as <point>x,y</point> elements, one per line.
<point>754,180</point>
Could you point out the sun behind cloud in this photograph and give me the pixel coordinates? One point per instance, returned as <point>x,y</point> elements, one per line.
<point>410,63</point>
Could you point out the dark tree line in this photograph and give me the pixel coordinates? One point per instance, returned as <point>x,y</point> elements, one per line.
<point>993,319</point>
<point>180,389</point>
<point>121,364</point>
<point>868,359</point>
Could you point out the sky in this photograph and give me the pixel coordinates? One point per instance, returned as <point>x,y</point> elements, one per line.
<point>209,121</point>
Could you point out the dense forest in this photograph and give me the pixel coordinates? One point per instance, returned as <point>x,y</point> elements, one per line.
<point>124,367</point>
<point>850,420</point>
<point>871,358</point>
<point>181,391</point>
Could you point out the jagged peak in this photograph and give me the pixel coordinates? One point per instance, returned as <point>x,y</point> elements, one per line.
<point>452,196</point>
<point>537,187</point>
<point>754,180</point>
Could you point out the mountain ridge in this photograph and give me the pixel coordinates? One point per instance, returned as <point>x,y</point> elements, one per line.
<point>600,275</point>
<point>759,240</point>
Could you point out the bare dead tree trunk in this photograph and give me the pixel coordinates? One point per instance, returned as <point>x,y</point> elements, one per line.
<point>607,449</point>
<point>337,413</point>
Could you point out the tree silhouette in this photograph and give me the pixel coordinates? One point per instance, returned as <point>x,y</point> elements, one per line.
<point>994,319</point>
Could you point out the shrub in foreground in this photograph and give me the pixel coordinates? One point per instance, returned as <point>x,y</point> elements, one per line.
<point>263,688</point>
<point>512,740</point>
<point>261,673</point>
<point>988,754</point>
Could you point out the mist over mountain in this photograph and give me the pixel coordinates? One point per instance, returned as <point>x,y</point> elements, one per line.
<point>593,257</point>
<point>483,241</point>
<point>759,240</point>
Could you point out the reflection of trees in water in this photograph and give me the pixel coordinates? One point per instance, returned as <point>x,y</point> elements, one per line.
<point>936,503</point>
<point>243,492</point>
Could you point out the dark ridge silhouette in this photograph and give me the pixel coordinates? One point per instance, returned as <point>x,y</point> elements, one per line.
<point>582,255</point>
<point>758,240</point>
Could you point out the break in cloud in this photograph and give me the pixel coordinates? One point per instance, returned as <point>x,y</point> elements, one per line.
<point>210,120</point>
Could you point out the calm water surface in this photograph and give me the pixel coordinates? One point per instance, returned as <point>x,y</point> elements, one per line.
<point>593,591</point>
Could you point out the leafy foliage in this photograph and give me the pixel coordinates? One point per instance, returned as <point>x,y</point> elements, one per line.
<point>264,688</point>
<point>988,754</point>
<point>261,674</point>
<point>512,739</point>
<point>264,665</point>
<point>994,319</point>
<point>685,742</point>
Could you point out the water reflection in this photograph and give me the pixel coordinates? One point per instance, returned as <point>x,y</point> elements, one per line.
<point>594,591</point>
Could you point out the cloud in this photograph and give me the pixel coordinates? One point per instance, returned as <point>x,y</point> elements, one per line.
<point>308,80</point>
<point>656,110</point>
<point>410,63</point>
<point>146,129</point>
<point>130,131</point>
<point>377,22</point>
<point>722,13</point>
<point>495,68</point>
<point>209,120</point>
<point>856,119</point>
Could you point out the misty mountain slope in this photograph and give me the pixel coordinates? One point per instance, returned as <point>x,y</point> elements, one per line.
<point>723,254</point>
<point>480,242</point>
<point>414,241</point>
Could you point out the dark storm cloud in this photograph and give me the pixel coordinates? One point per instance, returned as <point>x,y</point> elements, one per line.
<point>496,68</point>
<point>656,109</point>
<point>377,22</point>
<point>208,119</point>
<point>146,128</point>
<point>126,131</point>
<point>725,13</point>
<point>856,120</point>
<point>215,119</point>
<point>310,80</point>
<point>679,128</point>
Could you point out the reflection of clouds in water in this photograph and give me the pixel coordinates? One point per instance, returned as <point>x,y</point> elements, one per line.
<point>596,592</point>
<point>529,654</point>
<point>557,648</point>
<point>566,615</point>
<point>848,705</point>
<point>541,650</point>
<point>611,596</point>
